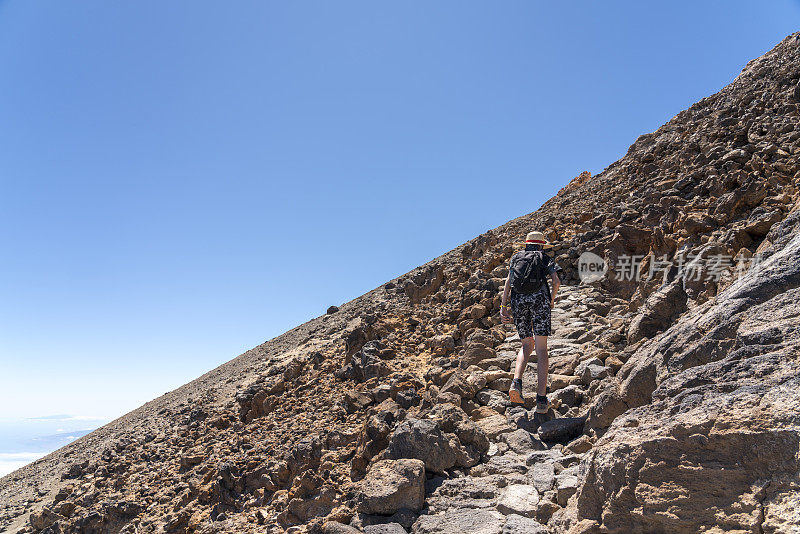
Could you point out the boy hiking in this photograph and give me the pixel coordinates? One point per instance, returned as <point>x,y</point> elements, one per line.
<point>530,302</point>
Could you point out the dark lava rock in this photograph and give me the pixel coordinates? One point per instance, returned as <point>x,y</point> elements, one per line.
<point>561,430</point>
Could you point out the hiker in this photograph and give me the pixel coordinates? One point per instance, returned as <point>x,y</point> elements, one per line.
<point>530,302</point>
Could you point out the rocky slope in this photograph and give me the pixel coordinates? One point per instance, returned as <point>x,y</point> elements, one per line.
<point>675,396</point>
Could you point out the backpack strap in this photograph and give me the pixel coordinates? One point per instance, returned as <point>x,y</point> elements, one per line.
<point>547,261</point>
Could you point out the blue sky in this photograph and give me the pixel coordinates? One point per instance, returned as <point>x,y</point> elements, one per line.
<point>181,181</point>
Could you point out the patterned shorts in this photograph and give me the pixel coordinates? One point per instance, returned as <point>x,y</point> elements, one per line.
<point>531,310</point>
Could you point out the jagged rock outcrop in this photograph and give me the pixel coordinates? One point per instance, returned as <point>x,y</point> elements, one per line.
<point>719,440</point>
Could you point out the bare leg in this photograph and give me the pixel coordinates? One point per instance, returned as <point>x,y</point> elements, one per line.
<point>523,355</point>
<point>541,364</point>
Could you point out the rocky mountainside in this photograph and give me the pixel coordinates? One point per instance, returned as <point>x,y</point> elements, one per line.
<point>676,393</point>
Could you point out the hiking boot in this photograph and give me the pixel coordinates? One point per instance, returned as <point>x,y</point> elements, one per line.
<point>515,393</point>
<point>542,404</point>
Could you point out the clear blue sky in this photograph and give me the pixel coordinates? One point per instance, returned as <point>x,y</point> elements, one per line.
<point>168,169</point>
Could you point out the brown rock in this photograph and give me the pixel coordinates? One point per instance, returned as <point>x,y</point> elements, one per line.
<point>391,485</point>
<point>562,381</point>
<point>475,354</point>
<point>494,425</point>
<point>332,527</point>
<point>659,311</point>
<point>458,384</point>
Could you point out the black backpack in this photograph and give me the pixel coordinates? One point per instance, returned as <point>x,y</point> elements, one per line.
<point>528,271</point>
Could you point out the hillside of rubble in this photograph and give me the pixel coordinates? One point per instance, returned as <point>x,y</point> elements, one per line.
<point>675,393</point>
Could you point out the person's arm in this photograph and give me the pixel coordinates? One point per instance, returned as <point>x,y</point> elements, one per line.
<point>506,291</point>
<point>556,284</point>
<point>504,298</point>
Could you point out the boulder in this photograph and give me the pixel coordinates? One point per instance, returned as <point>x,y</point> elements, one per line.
<point>580,445</point>
<point>481,337</point>
<point>333,527</point>
<point>608,404</point>
<point>386,528</point>
<point>562,429</point>
<point>459,384</point>
<point>521,499</point>
<point>658,311</point>
<point>523,419</point>
<point>475,354</point>
<point>582,370</point>
<point>366,363</point>
<point>424,440</point>
<point>522,442</point>
<point>448,397</point>
<point>375,434</point>
<point>460,520</point>
<point>391,485</point>
<point>759,224</point>
<point>466,492</point>
<point>44,518</point>
<point>356,400</point>
<point>454,420</point>
<point>509,463</point>
<point>558,381</point>
<point>570,395</point>
<point>517,524</point>
<point>542,475</point>
<point>494,426</point>
<point>566,486</point>
<point>442,344</point>
<point>496,400</point>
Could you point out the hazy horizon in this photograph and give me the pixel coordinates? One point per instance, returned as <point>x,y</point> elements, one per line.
<point>24,439</point>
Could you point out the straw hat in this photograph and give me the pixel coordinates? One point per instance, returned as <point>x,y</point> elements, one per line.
<point>536,238</point>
